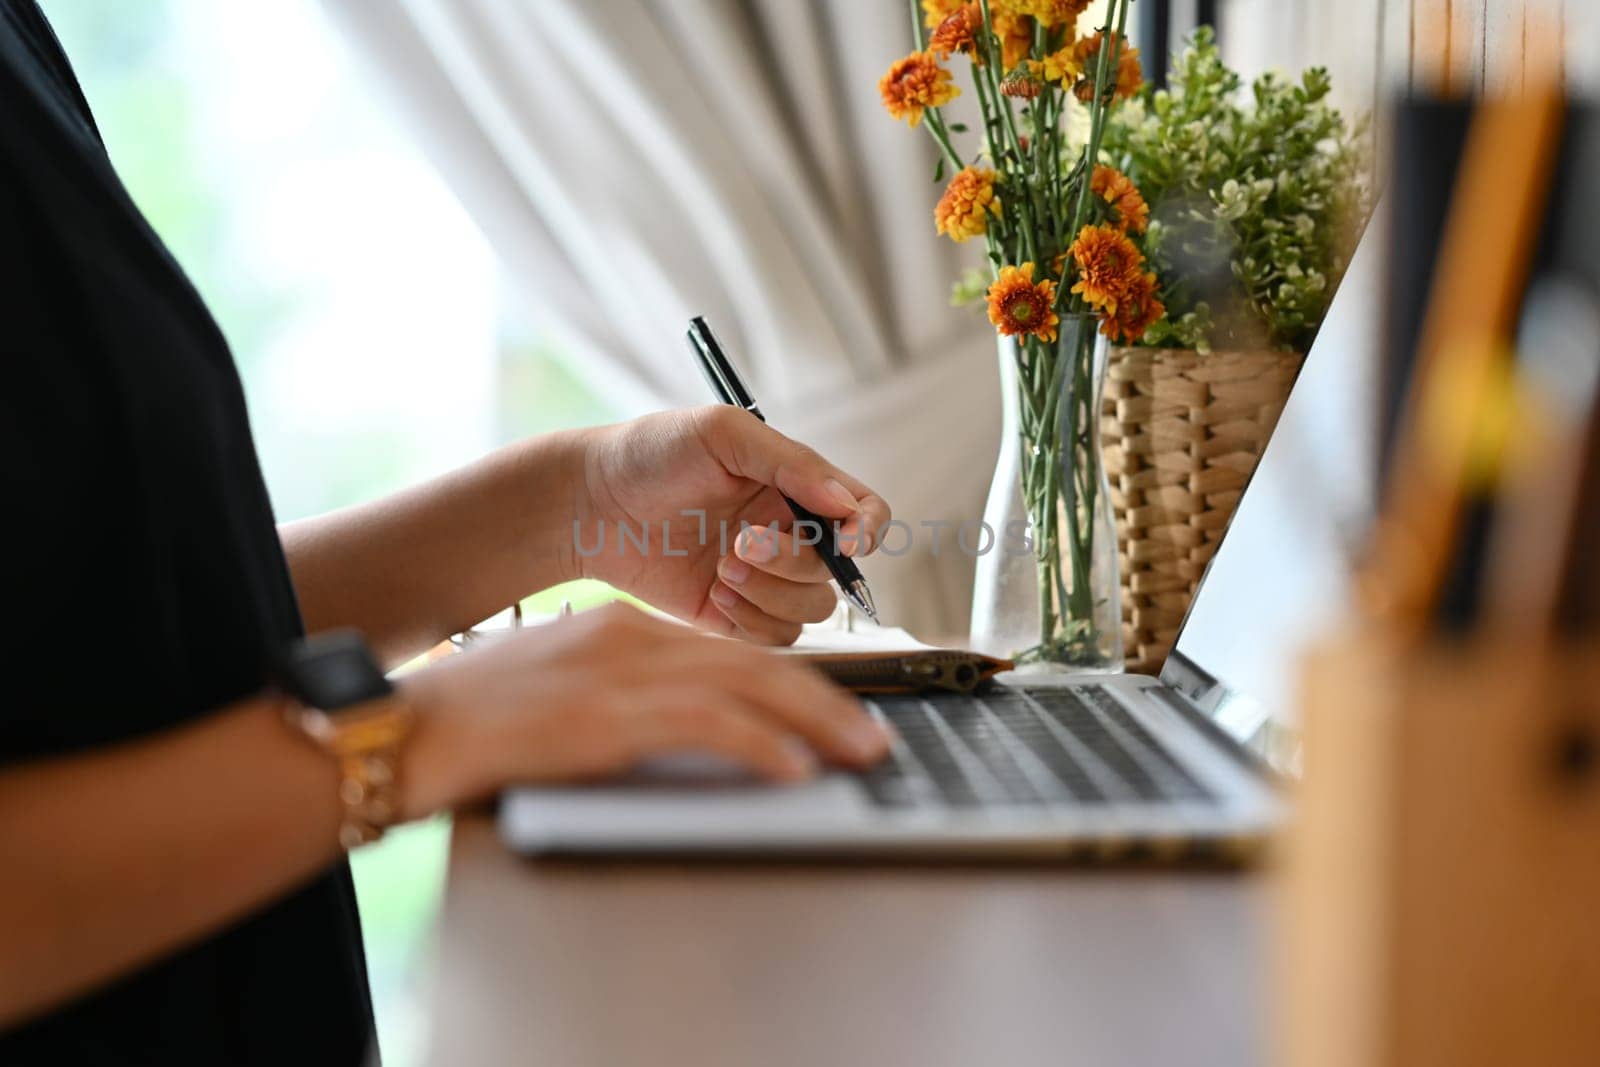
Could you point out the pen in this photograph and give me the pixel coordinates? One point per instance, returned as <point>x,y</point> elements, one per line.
<point>725,382</point>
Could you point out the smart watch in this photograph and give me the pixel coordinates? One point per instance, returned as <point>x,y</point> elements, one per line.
<point>342,702</point>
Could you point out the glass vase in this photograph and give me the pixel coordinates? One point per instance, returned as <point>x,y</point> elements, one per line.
<point>1005,600</point>
<point>1046,590</point>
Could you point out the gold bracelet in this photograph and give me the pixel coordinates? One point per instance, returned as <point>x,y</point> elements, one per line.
<point>367,740</point>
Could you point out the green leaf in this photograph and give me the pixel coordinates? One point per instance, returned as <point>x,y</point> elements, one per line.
<point>958,127</point>
<point>971,288</point>
<point>1255,192</point>
<point>938,171</point>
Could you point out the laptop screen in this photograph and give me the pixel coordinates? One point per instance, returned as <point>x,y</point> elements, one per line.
<point>1282,574</point>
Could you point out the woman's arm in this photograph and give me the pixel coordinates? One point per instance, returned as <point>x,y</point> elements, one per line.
<point>113,857</point>
<point>118,856</point>
<point>413,568</point>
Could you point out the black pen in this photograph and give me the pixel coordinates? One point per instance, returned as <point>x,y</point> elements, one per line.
<point>730,389</point>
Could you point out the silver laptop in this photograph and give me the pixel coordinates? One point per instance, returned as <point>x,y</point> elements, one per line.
<point>1038,766</point>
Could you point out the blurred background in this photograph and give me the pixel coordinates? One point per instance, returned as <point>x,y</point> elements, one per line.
<point>304,159</point>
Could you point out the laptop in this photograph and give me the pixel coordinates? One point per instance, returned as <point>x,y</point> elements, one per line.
<point>1103,765</point>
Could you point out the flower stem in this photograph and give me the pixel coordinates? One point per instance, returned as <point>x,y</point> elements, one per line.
<point>917,32</point>
<point>935,122</point>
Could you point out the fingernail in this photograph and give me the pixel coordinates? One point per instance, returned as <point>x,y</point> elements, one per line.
<point>757,545</point>
<point>799,760</point>
<point>867,738</point>
<point>735,570</point>
<point>723,595</point>
<point>837,490</point>
<point>855,539</point>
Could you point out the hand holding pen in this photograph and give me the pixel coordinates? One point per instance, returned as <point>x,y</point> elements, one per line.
<point>834,546</point>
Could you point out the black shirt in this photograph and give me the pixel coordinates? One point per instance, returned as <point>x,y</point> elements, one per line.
<point>142,582</point>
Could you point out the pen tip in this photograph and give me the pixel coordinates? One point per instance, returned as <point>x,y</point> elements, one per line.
<point>861,597</point>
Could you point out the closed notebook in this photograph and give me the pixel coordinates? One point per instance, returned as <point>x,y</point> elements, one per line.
<point>945,670</point>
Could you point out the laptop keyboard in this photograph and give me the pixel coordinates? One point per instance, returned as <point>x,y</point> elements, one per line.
<point>1023,745</point>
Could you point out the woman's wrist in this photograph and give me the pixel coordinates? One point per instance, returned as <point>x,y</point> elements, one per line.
<point>555,483</point>
<point>442,764</point>
<point>592,504</point>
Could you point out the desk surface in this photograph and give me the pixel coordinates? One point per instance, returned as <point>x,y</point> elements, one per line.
<point>610,965</point>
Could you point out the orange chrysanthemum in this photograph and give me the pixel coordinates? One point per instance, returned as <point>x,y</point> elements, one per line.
<point>963,211</point>
<point>1052,13</point>
<point>1062,65</point>
<point>914,83</point>
<point>1016,37</point>
<point>936,11</point>
<point>1108,264</point>
<point>958,33</point>
<point>1130,76</point>
<point>1137,311</point>
<point>1010,19</point>
<point>1118,190</point>
<point>1020,305</point>
<point>1022,85</point>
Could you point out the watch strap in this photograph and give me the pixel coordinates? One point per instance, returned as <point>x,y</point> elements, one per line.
<point>367,741</point>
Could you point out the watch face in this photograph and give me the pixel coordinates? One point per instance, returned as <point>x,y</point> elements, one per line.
<point>333,670</point>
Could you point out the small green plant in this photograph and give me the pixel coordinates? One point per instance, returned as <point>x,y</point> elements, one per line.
<point>1253,210</point>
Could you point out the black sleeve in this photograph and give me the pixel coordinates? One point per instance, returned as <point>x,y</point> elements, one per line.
<point>66,568</point>
<point>142,582</point>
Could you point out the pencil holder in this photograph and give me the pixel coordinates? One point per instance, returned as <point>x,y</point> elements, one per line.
<point>1181,434</point>
<point>1441,890</point>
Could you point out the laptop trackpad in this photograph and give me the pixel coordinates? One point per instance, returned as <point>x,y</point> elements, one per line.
<point>690,770</point>
<point>670,794</point>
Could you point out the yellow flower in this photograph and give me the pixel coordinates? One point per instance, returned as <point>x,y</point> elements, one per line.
<point>1052,13</point>
<point>1108,266</point>
<point>1118,190</point>
<point>968,201</point>
<point>958,33</point>
<point>1016,35</point>
<point>1129,75</point>
<point>914,83</point>
<point>1137,310</point>
<point>1020,305</point>
<point>936,11</point>
<point>1062,65</point>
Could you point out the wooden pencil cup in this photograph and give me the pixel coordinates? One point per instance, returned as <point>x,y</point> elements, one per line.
<point>1442,884</point>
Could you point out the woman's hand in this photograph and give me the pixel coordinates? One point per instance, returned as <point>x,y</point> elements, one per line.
<point>646,474</point>
<point>593,695</point>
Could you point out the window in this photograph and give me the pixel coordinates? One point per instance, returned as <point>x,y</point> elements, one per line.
<point>376,336</point>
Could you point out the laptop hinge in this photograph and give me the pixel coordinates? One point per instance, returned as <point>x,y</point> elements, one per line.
<point>1240,753</point>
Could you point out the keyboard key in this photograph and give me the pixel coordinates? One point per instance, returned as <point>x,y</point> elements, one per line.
<point>1016,746</point>
<point>1168,773</point>
<point>1068,709</point>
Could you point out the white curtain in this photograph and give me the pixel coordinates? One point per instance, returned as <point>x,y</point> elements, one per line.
<point>637,162</point>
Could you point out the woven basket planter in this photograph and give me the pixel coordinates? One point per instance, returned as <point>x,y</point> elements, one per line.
<point>1181,434</point>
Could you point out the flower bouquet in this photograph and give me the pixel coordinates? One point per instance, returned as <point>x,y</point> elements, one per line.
<point>1065,274</point>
